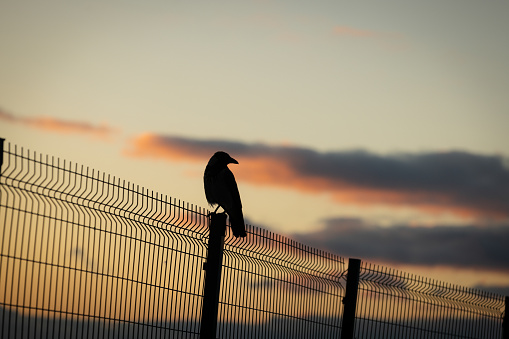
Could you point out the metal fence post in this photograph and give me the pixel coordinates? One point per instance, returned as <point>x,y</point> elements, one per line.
<point>505,321</point>
<point>350,299</point>
<point>1,155</point>
<point>212,267</point>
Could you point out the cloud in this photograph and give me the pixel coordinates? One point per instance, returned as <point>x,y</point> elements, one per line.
<point>458,246</point>
<point>393,41</point>
<point>347,31</point>
<point>462,183</point>
<point>354,32</point>
<point>60,125</point>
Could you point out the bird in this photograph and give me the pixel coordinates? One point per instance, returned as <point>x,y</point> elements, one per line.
<point>221,190</point>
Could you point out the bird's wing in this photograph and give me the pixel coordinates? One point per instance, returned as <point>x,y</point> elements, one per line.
<point>231,203</point>
<point>209,185</point>
<point>228,192</point>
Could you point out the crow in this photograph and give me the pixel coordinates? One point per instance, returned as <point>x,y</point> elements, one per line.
<point>221,190</point>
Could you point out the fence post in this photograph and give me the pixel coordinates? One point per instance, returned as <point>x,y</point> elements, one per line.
<point>212,267</point>
<point>505,321</point>
<point>1,155</point>
<point>350,299</point>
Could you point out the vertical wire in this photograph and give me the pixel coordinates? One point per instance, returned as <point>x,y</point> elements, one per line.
<point>165,284</point>
<point>14,302</point>
<point>109,228</point>
<point>361,306</point>
<point>172,298</point>
<point>138,256</point>
<point>124,196</point>
<point>157,258</point>
<point>395,321</point>
<point>4,198</point>
<point>433,303</point>
<point>149,326</point>
<point>405,310</point>
<point>246,322</point>
<point>238,311</point>
<point>386,288</point>
<point>369,296</point>
<point>70,307</point>
<point>10,209</point>
<point>112,227</point>
<point>49,220</point>
<point>156,245</point>
<point>47,215</point>
<point>88,218</point>
<point>58,218</point>
<point>150,267</point>
<point>22,255</point>
<point>143,271</point>
<point>420,305</point>
<point>167,290</point>
<point>186,277</point>
<point>28,213</point>
<point>390,296</point>
<point>445,309</point>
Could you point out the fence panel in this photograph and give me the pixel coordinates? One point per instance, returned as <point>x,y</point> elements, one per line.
<point>274,287</point>
<point>84,254</point>
<point>394,305</point>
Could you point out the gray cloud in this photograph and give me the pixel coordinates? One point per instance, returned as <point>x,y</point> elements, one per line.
<point>457,246</point>
<point>457,181</point>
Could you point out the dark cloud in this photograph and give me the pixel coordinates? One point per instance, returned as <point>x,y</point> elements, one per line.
<point>457,246</point>
<point>459,182</point>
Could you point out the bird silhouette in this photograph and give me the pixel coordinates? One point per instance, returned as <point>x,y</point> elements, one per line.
<point>221,190</point>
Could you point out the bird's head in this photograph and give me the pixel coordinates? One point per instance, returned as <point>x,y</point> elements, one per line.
<point>222,158</point>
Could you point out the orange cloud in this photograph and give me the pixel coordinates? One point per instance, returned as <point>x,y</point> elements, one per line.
<point>60,125</point>
<point>456,182</point>
<point>152,145</point>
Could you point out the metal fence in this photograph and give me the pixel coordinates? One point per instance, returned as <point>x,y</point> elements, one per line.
<point>393,304</point>
<point>87,255</point>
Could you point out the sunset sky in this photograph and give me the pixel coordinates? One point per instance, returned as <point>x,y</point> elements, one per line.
<point>376,131</point>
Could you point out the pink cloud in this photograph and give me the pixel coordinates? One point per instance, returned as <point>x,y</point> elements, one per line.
<point>354,32</point>
<point>391,41</point>
<point>60,125</point>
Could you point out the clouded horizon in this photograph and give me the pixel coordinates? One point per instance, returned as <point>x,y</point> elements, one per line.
<point>352,122</point>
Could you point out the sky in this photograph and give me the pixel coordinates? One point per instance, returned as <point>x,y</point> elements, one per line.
<point>376,131</point>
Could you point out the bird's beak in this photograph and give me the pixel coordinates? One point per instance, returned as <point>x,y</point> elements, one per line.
<point>233,161</point>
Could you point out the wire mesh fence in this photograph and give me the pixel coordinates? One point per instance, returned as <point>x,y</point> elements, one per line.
<point>393,304</point>
<point>84,254</point>
<point>274,287</point>
<point>87,255</point>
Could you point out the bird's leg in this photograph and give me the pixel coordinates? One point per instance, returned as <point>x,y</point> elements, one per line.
<point>210,214</point>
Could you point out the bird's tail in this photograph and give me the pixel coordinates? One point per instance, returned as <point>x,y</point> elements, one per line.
<point>237,223</point>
